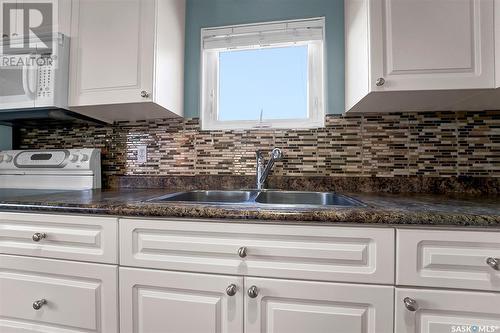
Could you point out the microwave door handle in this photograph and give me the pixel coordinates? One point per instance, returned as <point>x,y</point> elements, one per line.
<point>29,80</point>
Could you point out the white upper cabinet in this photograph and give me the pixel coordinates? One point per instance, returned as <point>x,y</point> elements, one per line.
<point>127,59</point>
<point>432,44</point>
<point>415,50</point>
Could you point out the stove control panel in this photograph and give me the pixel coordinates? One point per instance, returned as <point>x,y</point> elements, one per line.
<point>66,159</point>
<point>61,169</point>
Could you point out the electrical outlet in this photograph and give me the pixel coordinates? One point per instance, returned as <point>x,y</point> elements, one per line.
<point>142,154</point>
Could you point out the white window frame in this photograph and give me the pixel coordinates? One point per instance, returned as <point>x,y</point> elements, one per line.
<point>210,72</point>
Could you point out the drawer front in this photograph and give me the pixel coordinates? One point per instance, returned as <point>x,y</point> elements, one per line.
<point>80,297</point>
<point>284,251</point>
<point>440,311</point>
<point>448,259</point>
<point>81,238</point>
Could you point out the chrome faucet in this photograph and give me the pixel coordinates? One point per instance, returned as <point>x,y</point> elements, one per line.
<point>262,169</point>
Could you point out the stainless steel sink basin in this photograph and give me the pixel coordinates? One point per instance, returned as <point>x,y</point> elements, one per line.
<point>210,196</point>
<point>305,198</point>
<point>263,198</point>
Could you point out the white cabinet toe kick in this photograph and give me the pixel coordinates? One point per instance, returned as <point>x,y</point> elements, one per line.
<point>64,273</point>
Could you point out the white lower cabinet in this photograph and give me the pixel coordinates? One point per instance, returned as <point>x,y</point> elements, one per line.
<point>286,306</point>
<point>163,301</point>
<point>442,311</point>
<point>320,253</point>
<point>53,296</point>
<point>69,237</point>
<point>440,258</point>
<point>188,276</point>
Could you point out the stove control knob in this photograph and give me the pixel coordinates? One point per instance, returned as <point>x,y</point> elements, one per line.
<point>85,158</point>
<point>1,158</point>
<point>8,158</point>
<point>73,158</point>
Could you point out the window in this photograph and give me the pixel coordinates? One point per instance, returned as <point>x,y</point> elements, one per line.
<point>263,76</point>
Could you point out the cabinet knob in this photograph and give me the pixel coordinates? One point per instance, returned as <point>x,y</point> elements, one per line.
<point>411,304</point>
<point>253,292</point>
<point>493,263</point>
<point>242,252</point>
<point>231,290</point>
<point>380,82</point>
<point>37,305</point>
<point>73,158</point>
<point>145,94</point>
<point>38,236</point>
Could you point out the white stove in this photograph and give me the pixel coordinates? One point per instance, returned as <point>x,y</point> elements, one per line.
<point>61,169</point>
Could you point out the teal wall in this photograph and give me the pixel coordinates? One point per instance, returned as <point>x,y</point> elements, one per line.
<point>213,13</point>
<point>5,137</point>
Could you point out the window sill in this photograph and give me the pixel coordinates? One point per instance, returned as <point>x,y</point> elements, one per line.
<point>266,126</point>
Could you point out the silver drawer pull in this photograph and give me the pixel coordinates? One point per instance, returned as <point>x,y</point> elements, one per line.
<point>38,236</point>
<point>231,290</point>
<point>410,304</point>
<point>253,292</point>
<point>37,305</point>
<point>242,252</point>
<point>493,263</point>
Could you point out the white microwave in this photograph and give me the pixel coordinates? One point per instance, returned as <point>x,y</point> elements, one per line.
<point>40,83</point>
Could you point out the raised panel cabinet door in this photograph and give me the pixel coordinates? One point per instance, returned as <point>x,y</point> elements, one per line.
<point>81,238</point>
<point>162,301</point>
<point>448,259</point>
<point>54,296</point>
<point>432,44</point>
<point>112,51</point>
<point>342,254</point>
<point>287,306</point>
<point>440,311</point>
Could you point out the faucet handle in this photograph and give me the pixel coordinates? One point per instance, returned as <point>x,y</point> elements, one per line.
<point>277,154</point>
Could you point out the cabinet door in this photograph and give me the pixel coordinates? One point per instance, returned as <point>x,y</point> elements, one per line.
<point>439,311</point>
<point>432,44</point>
<point>286,306</point>
<point>111,51</point>
<point>43,295</point>
<point>162,301</point>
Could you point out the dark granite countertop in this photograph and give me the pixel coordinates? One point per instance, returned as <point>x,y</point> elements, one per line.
<point>381,209</point>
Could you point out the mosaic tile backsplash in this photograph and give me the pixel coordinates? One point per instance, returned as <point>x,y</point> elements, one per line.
<point>442,144</point>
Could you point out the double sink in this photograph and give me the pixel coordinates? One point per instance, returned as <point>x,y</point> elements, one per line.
<point>267,198</point>
<point>263,198</point>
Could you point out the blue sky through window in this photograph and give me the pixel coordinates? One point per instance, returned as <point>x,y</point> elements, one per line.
<point>270,79</point>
